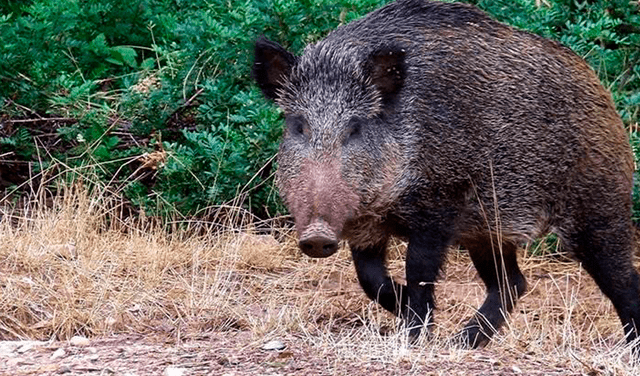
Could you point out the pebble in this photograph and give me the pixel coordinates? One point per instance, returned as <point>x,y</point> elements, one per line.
<point>274,345</point>
<point>79,341</point>
<point>64,369</point>
<point>59,353</point>
<point>174,371</point>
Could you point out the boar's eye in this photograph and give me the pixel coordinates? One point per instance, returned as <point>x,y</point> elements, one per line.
<point>296,125</point>
<point>354,129</point>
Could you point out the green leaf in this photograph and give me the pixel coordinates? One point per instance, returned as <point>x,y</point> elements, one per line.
<point>148,63</point>
<point>99,45</point>
<point>122,55</point>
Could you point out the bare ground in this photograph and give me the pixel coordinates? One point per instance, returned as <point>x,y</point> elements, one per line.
<point>237,353</point>
<point>354,345</point>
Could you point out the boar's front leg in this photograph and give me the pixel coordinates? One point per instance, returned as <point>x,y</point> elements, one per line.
<point>375,280</point>
<point>425,256</point>
<point>415,301</point>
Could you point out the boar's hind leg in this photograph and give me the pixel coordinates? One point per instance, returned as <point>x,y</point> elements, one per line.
<point>604,246</point>
<point>375,280</point>
<point>498,267</point>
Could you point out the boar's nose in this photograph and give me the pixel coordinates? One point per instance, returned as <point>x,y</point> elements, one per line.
<point>318,240</point>
<point>318,246</point>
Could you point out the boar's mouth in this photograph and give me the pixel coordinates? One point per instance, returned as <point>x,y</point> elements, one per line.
<point>321,202</point>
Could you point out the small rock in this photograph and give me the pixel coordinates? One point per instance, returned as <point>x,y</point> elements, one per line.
<point>92,350</point>
<point>64,369</point>
<point>516,369</point>
<point>93,357</point>
<point>59,353</point>
<point>486,359</point>
<point>79,341</point>
<point>274,345</point>
<point>174,371</point>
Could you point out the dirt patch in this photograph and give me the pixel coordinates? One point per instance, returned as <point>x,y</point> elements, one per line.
<point>240,353</point>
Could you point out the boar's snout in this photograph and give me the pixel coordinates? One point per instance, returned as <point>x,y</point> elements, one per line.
<point>320,200</point>
<point>318,240</point>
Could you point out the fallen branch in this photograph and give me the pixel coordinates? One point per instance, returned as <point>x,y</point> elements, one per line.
<point>41,120</point>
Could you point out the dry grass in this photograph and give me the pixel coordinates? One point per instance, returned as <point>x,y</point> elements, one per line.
<point>76,267</point>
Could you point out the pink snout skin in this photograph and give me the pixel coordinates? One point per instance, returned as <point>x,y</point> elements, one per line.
<point>321,201</point>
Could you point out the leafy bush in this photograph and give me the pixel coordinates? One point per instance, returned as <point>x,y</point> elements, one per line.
<point>171,78</point>
<point>91,62</point>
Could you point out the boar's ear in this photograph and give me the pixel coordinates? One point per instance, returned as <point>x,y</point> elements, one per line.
<point>386,69</point>
<point>271,65</point>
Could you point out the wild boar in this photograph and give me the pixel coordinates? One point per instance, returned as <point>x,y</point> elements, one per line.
<point>433,123</point>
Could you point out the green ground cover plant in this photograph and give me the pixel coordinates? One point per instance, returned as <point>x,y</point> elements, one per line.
<point>155,97</point>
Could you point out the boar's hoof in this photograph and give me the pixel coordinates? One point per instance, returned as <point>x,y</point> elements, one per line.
<point>474,337</point>
<point>318,246</point>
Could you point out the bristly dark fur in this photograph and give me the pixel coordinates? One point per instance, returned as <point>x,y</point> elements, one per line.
<point>386,69</point>
<point>432,122</point>
<point>273,65</point>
